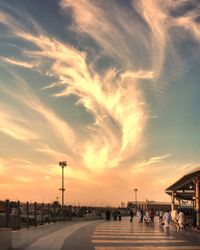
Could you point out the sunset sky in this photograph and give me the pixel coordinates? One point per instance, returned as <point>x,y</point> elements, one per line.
<point>110,86</point>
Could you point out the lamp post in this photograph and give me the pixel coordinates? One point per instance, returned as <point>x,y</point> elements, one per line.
<point>135,190</point>
<point>62,164</point>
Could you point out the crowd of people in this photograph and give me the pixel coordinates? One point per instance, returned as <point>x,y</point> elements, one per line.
<point>116,214</point>
<point>147,217</point>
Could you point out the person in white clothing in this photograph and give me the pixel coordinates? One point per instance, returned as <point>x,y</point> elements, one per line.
<point>166,219</point>
<point>147,218</point>
<point>181,220</point>
<point>139,215</point>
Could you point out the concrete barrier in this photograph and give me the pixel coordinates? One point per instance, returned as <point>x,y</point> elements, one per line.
<point>5,238</point>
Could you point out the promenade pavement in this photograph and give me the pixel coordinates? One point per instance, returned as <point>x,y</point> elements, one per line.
<point>105,235</point>
<point>136,236</point>
<point>48,236</point>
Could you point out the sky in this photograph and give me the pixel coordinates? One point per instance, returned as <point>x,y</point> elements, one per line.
<point>112,87</point>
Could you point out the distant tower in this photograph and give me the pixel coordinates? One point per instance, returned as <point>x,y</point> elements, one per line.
<point>62,164</point>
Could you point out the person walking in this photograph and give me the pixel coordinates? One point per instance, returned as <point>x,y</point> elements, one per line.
<point>142,213</point>
<point>115,215</point>
<point>181,220</point>
<point>152,214</point>
<point>146,218</point>
<point>131,214</point>
<point>108,214</point>
<point>166,219</point>
<point>119,214</point>
<point>161,216</point>
<point>139,215</point>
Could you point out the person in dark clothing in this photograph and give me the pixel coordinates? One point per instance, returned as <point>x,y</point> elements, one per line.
<point>131,215</point>
<point>108,214</point>
<point>194,218</point>
<point>141,219</point>
<point>119,214</point>
<point>152,214</point>
<point>115,215</point>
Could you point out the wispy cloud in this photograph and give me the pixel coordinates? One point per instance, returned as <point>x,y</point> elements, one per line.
<point>112,104</point>
<point>58,128</point>
<point>141,74</point>
<point>189,24</point>
<point>157,24</point>
<point>157,159</point>
<point>18,63</point>
<point>97,21</point>
<point>188,167</point>
<point>12,126</point>
<point>23,179</point>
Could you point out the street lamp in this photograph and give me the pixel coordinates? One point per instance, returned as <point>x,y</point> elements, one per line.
<point>62,164</point>
<point>135,190</point>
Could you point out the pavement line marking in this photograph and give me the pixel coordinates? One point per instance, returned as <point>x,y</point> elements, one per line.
<point>133,237</point>
<point>139,241</point>
<point>126,229</point>
<point>148,248</point>
<point>56,239</point>
<point>131,233</point>
<point>139,231</point>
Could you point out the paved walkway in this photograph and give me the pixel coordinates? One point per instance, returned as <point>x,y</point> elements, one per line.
<point>123,235</point>
<point>48,236</point>
<point>105,235</point>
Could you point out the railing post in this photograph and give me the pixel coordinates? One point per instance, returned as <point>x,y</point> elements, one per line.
<point>48,211</point>
<point>54,213</point>
<point>27,214</point>
<point>18,215</point>
<point>7,212</point>
<point>35,214</point>
<point>42,213</point>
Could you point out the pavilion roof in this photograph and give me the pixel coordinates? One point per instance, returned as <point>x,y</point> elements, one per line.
<point>184,187</point>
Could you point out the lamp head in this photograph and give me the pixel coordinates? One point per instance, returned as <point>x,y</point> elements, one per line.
<point>62,163</point>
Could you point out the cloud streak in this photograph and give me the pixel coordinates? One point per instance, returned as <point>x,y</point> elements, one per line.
<point>18,63</point>
<point>13,127</point>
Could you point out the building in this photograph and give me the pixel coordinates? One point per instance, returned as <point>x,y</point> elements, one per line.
<point>186,191</point>
<point>146,205</point>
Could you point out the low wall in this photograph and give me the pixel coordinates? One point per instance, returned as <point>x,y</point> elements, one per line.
<point>5,238</point>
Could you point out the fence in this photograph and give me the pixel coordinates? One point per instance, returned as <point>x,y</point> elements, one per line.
<point>18,215</point>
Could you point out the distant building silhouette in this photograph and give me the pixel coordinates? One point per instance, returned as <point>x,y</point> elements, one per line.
<point>146,205</point>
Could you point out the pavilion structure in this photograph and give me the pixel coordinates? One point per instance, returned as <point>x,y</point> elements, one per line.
<point>186,189</point>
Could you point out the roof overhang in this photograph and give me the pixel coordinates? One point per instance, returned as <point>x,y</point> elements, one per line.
<point>184,188</point>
